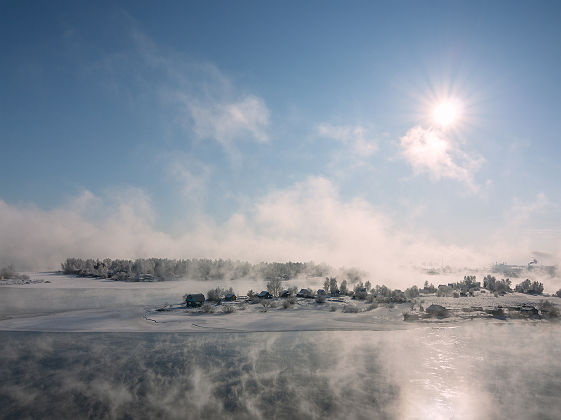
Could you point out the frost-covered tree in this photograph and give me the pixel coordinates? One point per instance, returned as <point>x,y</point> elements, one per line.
<point>333,285</point>
<point>217,294</point>
<point>9,273</point>
<point>274,286</point>
<point>343,287</point>
<point>529,287</point>
<point>412,292</point>
<point>383,291</point>
<point>489,282</point>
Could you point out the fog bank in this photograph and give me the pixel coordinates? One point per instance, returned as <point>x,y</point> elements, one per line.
<point>309,221</point>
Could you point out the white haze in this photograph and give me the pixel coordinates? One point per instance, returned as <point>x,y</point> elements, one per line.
<point>309,221</point>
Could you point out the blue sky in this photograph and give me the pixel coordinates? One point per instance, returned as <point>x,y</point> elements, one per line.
<point>207,111</point>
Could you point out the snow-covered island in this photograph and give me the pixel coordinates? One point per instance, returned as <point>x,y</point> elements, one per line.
<point>150,295</point>
<point>323,311</point>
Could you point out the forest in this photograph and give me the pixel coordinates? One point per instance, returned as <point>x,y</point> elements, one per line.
<point>163,269</point>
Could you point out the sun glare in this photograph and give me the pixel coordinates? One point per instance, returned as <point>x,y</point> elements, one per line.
<point>446,113</point>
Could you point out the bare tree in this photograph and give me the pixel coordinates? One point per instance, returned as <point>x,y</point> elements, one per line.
<point>274,286</point>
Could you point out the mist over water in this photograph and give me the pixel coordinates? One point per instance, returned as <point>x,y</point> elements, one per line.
<point>472,371</point>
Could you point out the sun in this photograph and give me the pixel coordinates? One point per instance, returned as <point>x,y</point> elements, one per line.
<point>446,113</point>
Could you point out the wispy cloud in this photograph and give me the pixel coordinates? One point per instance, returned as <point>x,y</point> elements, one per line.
<point>520,212</point>
<point>247,118</point>
<point>194,95</point>
<point>357,137</point>
<point>431,152</point>
<point>530,224</point>
<point>191,175</point>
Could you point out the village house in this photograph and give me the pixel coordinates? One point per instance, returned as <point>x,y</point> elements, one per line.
<point>194,300</point>
<point>265,295</point>
<point>305,293</point>
<point>230,297</point>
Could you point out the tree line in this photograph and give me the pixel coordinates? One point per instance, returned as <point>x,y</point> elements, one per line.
<point>8,273</point>
<point>162,269</point>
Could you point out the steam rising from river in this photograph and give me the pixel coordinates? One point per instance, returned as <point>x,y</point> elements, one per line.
<point>430,372</point>
<point>309,221</point>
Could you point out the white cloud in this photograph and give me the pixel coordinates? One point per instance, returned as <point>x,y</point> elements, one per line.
<point>247,118</point>
<point>356,137</point>
<point>432,152</point>
<point>195,95</point>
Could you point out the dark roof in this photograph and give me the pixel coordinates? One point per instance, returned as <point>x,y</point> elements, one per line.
<point>197,297</point>
<point>305,293</point>
<point>264,293</point>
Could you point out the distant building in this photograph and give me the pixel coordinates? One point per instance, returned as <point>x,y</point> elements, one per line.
<point>305,293</point>
<point>508,269</point>
<point>230,297</point>
<point>194,300</point>
<point>265,295</point>
<point>516,270</point>
<point>145,277</point>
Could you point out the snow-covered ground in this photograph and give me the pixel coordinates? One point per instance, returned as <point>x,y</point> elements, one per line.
<point>54,302</point>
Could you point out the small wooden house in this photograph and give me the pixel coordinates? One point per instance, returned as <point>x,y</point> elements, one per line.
<point>194,300</point>
<point>265,295</point>
<point>230,297</point>
<point>305,293</point>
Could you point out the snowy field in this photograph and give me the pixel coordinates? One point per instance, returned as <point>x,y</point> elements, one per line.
<point>51,302</point>
<point>54,302</point>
